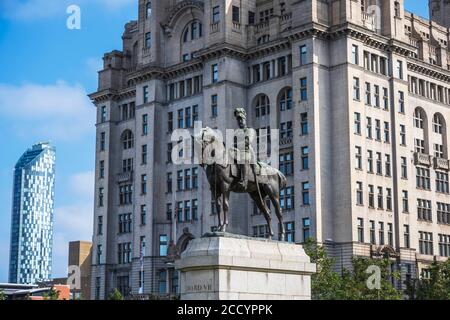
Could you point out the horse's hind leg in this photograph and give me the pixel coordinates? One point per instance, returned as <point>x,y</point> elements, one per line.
<point>225,208</point>
<point>217,202</point>
<point>263,208</point>
<point>275,199</point>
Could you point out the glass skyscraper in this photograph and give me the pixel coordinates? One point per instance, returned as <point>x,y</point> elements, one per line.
<point>32,216</point>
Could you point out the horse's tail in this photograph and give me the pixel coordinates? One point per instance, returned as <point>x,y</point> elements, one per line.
<point>282,180</point>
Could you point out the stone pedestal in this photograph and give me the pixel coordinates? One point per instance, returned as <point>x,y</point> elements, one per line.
<point>221,266</point>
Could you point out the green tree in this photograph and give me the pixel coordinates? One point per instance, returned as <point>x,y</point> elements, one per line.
<point>437,287</point>
<point>115,295</point>
<point>51,295</point>
<point>2,295</point>
<point>327,284</point>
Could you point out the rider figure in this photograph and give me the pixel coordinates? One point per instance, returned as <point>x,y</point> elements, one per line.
<point>245,137</point>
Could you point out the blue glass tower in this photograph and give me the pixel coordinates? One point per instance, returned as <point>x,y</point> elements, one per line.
<point>32,216</point>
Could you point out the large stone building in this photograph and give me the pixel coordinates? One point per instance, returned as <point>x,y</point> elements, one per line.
<point>359,90</point>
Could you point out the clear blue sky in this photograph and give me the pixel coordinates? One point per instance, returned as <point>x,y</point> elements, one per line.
<point>46,71</point>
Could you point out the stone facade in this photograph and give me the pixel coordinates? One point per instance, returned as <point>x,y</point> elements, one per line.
<point>341,79</point>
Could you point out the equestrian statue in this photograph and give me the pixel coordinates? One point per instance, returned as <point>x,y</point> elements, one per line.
<point>258,179</point>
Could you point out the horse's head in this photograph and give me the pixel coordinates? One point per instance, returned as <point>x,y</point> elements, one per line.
<point>205,137</point>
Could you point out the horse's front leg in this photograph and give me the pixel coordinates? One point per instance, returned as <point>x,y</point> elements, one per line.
<point>225,207</point>
<point>217,202</point>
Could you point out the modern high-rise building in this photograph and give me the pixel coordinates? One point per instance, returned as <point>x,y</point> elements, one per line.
<point>32,216</point>
<point>358,89</point>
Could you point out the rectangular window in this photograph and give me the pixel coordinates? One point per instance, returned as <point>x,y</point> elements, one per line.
<point>99,253</point>
<point>305,158</point>
<point>180,119</point>
<point>399,69</point>
<point>406,236</point>
<point>404,168</point>
<point>442,182</point>
<point>195,178</point>
<point>377,96</point>
<point>402,135</point>
<point>214,103</point>
<point>361,230</point>
<point>144,124</point>
<point>438,150</point>
<point>377,130</point>
<point>145,94</point>
<point>371,196</point>
<point>215,73</point>
<point>236,13</point>
<point>169,211</point>
<point>424,212</point>
<point>144,154</point>
<point>359,193</point>
<point>381,232</point>
<point>99,225</point>
<point>305,194</point>
<point>170,122</point>
<point>444,245</point>
<point>143,214</point>
<point>286,130</point>
<point>101,194</point>
<point>370,161</point>
<point>425,243</point>
<point>368,128</point>
<point>143,184</point>
<point>358,158</point>
<point>385,99</point>
<point>419,146</point>
<point>180,180</point>
<point>304,128</point>
<point>405,201</point>
<point>379,163</point>
<point>287,198</point>
<point>423,178</point>
<point>103,114</point>
<point>303,53</point>
<point>287,163</point>
<point>357,125</point>
<point>443,213</point>
<point>148,40</point>
<point>306,228</point>
<point>387,165</point>
<point>355,54</point>
<point>290,232</point>
<point>386,132</point>
<point>389,199</point>
<point>126,194</point>
<point>401,102</point>
<point>372,232</point>
<point>303,89</point>
<point>380,198</point>
<point>356,92</point>
<point>163,245</point>
<point>169,182</point>
<point>368,96</point>
<point>216,14</point>
<point>102,141</point>
<point>125,223</point>
<point>195,209</point>
<point>390,235</point>
<point>251,18</point>
<point>101,169</point>
<point>187,179</point>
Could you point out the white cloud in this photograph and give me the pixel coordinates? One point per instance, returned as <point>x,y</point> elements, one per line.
<point>41,9</point>
<point>56,112</point>
<point>82,184</point>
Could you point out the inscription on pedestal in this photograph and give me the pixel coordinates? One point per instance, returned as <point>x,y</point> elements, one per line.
<point>199,286</point>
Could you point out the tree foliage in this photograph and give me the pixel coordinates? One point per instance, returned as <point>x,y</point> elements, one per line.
<point>2,295</point>
<point>437,287</point>
<point>115,295</point>
<point>51,295</point>
<point>328,284</point>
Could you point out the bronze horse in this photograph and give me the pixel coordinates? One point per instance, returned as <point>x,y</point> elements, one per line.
<point>260,188</point>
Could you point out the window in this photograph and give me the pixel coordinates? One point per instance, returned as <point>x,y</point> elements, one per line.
<point>163,245</point>
<point>304,128</point>
<point>162,282</point>
<point>424,210</point>
<point>187,179</point>
<point>99,253</point>
<point>306,228</point>
<point>144,124</point>
<point>390,235</point>
<point>261,231</point>
<point>385,99</point>
<point>397,9</point>
<point>127,139</point>
<point>404,168</point>
<point>361,230</point>
<point>103,114</point>
<point>356,92</point>
<point>216,14</point>
<point>402,135</point>
<point>442,182</point>
<point>180,180</point>
<point>125,194</point>
<point>305,194</point>
<point>251,18</point>
<point>289,232</point>
<point>144,184</point>
<point>127,165</point>
<point>368,96</point>
<point>262,105</point>
<point>386,132</point>
<point>214,111</point>
<point>444,245</point>
<point>377,96</point>
<point>305,158</point>
<point>303,53</point>
<point>381,232</point>
<point>143,214</point>
<point>215,73</point>
<point>188,117</point>
<point>425,243</point>
<point>148,9</point>
<point>125,223</point>
<point>399,69</point>
<point>187,210</point>
<point>418,118</point>
<point>443,213</point>
<point>148,40</point>
<point>102,141</point>
<point>236,11</point>
<point>377,130</point>
<point>101,169</point>
<point>355,54</point>
<point>357,125</point>
<point>389,199</point>
<point>286,130</point>
<point>195,209</point>
<point>124,252</point>
<point>194,178</point>
<point>170,122</point>
<point>379,163</point>
<point>359,193</point>
<point>180,119</point>
<point>368,128</point>
<point>438,123</point>
<point>423,178</point>
<point>405,202</point>
<point>99,225</point>
<point>370,161</point>
<point>101,194</point>
<point>438,151</point>
<point>380,198</point>
<point>169,211</point>
<point>372,232</point>
<point>285,102</point>
<point>144,154</point>
<point>358,158</point>
<point>287,163</point>
<point>401,102</point>
<point>287,198</point>
<point>387,164</point>
<point>303,90</point>
<point>406,236</point>
<point>371,196</point>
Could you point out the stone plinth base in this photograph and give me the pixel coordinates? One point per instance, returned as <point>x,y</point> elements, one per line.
<point>221,266</point>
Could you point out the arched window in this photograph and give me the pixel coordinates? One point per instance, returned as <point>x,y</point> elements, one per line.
<point>262,105</point>
<point>148,9</point>
<point>193,31</point>
<point>285,99</point>
<point>438,123</point>
<point>127,139</point>
<point>418,118</point>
